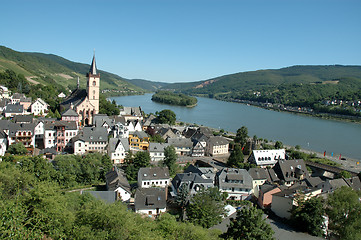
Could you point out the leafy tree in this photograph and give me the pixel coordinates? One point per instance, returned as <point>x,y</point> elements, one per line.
<point>236,157</point>
<point>343,209</point>
<point>170,158</point>
<point>57,114</point>
<point>308,215</point>
<point>107,107</point>
<point>205,208</point>
<point>249,224</point>
<point>156,138</point>
<point>166,116</point>
<point>17,149</point>
<point>345,174</point>
<point>134,163</point>
<point>241,136</point>
<point>278,145</point>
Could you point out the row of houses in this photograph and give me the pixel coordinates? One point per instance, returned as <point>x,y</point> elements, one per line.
<point>274,188</point>
<point>19,104</point>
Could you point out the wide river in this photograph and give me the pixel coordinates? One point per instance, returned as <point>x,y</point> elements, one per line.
<point>292,129</point>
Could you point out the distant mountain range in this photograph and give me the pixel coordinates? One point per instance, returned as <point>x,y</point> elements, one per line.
<point>266,85</point>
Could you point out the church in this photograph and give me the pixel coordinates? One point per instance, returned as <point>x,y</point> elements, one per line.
<point>85,102</point>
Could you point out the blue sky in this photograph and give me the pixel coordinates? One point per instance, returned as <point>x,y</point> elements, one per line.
<point>186,40</point>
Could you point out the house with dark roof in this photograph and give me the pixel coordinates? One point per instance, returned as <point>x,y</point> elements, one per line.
<point>198,149</point>
<point>259,176</point>
<point>13,109</point>
<point>204,172</point>
<point>238,183</point>
<point>153,177</point>
<point>91,139</point>
<point>23,119</point>
<point>150,201</point>
<point>282,202</point>
<point>290,171</point>
<point>117,182</point>
<point>217,146</point>
<point>22,132</point>
<point>118,149</point>
<point>156,151</point>
<point>194,183</point>
<point>354,183</point>
<point>330,185</point>
<point>183,146</point>
<point>59,134</point>
<point>70,115</point>
<point>138,140</point>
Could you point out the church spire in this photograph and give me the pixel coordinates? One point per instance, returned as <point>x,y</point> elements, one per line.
<point>93,67</point>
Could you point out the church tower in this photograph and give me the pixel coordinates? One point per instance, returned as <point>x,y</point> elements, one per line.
<point>93,85</point>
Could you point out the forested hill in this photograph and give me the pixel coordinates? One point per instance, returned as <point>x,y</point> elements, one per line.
<point>291,85</point>
<point>45,68</point>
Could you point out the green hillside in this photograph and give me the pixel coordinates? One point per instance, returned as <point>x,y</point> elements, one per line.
<point>148,85</point>
<point>39,68</point>
<point>272,83</point>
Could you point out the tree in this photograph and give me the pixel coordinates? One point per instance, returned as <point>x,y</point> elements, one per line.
<point>241,136</point>
<point>278,145</point>
<point>182,198</point>
<point>170,158</point>
<point>236,157</point>
<point>17,149</point>
<point>166,116</point>
<point>345,174</point>
<point>205,209</point>
<point>156,138</point>
<point>343,209</point>
<point>134,163</point>
<point>308,215</point>
<point>249,224</point>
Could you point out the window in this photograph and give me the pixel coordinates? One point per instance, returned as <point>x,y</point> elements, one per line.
<point>94,83</point>
<point>79,145</point>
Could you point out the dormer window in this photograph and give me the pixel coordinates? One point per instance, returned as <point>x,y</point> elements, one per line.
<point>145,175</point>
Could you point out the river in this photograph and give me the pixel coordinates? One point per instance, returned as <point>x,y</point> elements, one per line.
<point>310,133</point>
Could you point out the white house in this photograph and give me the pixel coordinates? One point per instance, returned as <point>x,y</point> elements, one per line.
<point>153,177</point>
<point>150,201</point>
<point>156,151</point>
<point>217,146</point>
<point>58,134</point>
<point>134,126</point>
<point>236,182</point>
<point>39,107</point>
<point>117,182</point>
<point>118,149</point>
<point>91,139</point>
<point>264,158</point>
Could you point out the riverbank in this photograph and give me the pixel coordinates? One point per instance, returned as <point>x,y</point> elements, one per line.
<point>312,133</point>
<point>297,110</point>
